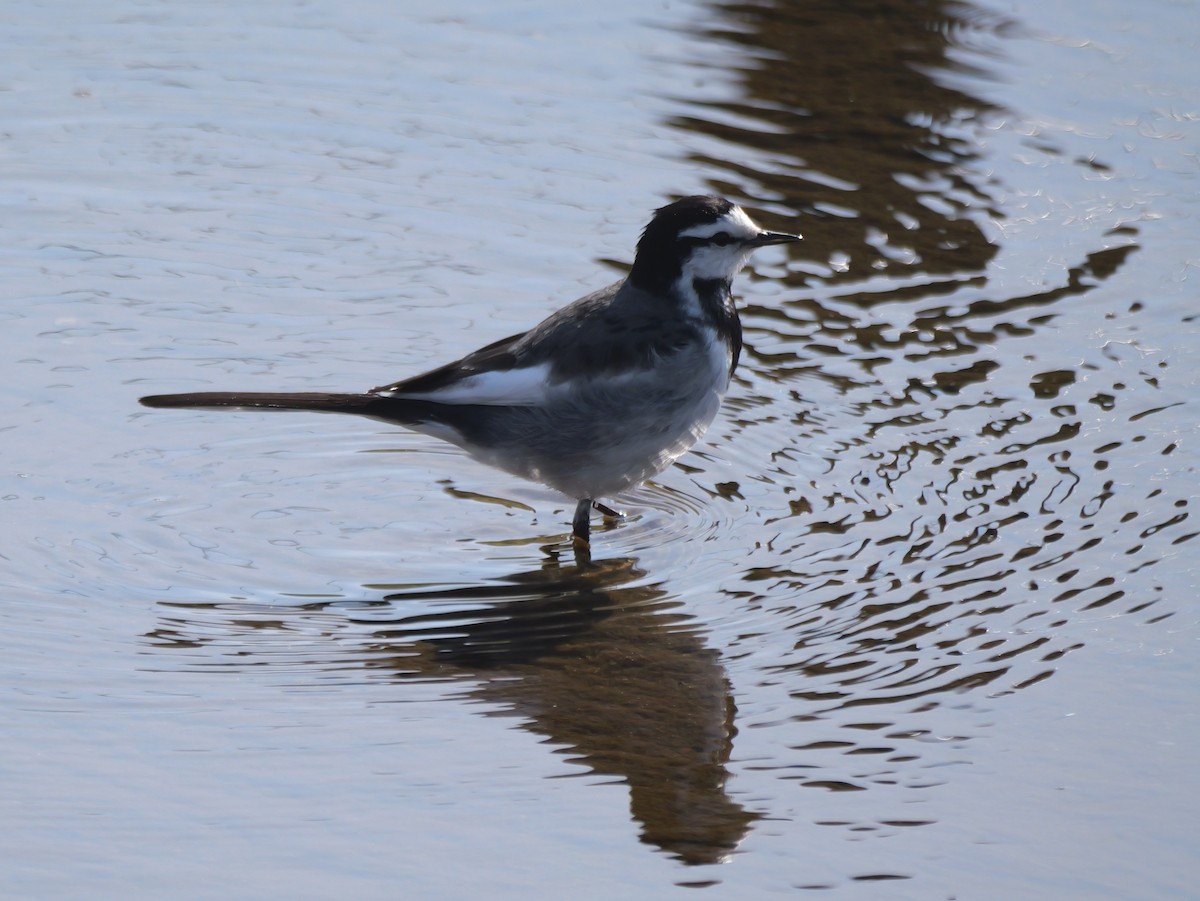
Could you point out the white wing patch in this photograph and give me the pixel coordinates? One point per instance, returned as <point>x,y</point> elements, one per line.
<point>524,387</point>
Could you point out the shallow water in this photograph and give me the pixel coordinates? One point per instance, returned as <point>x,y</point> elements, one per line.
<point>915,620</point>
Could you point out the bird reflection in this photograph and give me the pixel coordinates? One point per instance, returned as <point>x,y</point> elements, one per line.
<point>589,654</point>
<point>595,659</point>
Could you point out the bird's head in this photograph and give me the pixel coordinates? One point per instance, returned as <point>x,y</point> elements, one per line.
<point>699,238</point>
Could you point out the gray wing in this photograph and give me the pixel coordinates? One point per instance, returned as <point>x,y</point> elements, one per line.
<point>616,328</point>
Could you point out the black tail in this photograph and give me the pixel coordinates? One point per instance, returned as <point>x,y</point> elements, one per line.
<point>413,414</point>
<point>363,404</point>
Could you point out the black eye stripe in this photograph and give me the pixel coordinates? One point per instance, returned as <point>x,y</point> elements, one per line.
<point>721,239</point>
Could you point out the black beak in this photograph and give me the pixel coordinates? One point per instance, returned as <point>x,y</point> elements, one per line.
<point>764,239</point>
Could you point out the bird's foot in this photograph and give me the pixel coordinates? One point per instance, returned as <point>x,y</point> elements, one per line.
<point>606,511</point>
<point>581,524</point>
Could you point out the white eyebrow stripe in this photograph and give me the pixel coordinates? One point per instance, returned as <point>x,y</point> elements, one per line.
<point>524,387</point>
<point>736,222</point>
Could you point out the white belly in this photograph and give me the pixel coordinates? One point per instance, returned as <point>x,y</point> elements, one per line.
<point>620,432</point>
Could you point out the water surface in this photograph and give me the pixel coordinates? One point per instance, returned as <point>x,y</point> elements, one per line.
<point>914,620</point>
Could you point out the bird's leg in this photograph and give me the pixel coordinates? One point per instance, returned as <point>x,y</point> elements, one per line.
<point>581,525</point>
<point>607,511</point>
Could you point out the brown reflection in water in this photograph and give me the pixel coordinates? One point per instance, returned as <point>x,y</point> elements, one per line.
<point>973,506</point>
<point>587,655</point>
<point>960,471</point>
<point>841,99</point>
<point>600,665</point>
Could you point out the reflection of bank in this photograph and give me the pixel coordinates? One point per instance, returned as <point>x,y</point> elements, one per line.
<point>858,113</point>
<point>602,665</point>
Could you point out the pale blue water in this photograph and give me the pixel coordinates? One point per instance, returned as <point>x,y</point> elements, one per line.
<point>916,620</point>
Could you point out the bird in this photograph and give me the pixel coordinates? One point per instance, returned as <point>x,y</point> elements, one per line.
<point>601,395</point>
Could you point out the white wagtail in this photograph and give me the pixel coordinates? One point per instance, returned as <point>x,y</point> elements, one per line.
<point>606,392</point>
